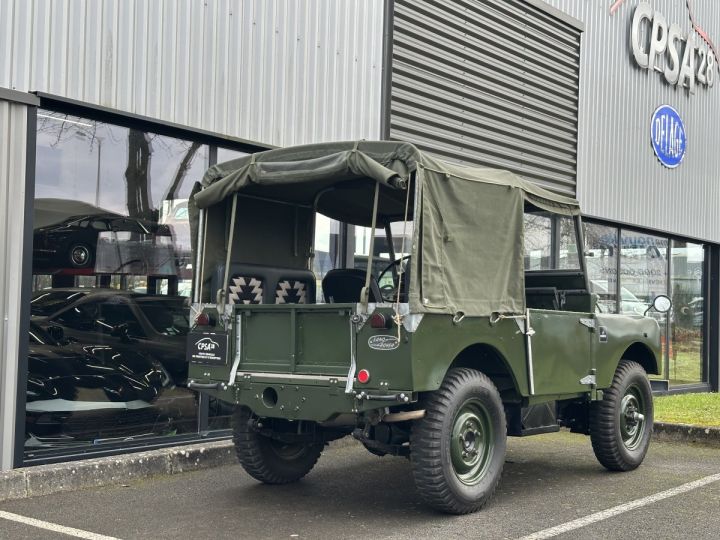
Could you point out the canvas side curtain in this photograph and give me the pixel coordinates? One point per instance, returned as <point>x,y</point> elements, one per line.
<point>471,236</point>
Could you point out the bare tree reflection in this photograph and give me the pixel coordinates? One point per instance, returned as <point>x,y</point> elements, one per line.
<point>137,175</point>
<point>181,172</point>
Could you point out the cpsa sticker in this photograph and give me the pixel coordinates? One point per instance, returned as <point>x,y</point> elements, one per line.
<point>383,343</point>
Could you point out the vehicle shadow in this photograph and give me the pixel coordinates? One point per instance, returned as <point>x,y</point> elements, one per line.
<point>358,485</point>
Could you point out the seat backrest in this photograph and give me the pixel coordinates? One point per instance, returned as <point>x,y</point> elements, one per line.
<point>294,286</point>
<point>256,284</point>
<point>578,300</point>
<point>343,285</point>
<point>542,298</point>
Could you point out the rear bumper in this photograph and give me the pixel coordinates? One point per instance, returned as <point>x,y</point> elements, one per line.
<point>304,397</point>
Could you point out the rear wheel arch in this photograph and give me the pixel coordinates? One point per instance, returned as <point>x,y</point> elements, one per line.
<point>488,360</point>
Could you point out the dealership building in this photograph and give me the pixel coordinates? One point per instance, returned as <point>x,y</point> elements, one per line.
<point>110,112</point>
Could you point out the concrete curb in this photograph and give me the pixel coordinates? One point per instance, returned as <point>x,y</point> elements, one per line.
<point>117,470</point>
<point>687,433</point>
<point>113,470</point>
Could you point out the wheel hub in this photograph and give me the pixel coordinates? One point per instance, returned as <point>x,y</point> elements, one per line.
<point>469,439</point>
<point>80,255</point>
<point>471,443</point>
<point>632,418</point>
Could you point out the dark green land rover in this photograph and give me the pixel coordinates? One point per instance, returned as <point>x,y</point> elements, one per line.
<point>468,331</point>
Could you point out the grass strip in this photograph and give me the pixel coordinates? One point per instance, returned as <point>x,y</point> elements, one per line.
<point>698,409</point>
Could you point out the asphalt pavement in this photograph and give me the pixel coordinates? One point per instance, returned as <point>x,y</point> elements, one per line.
<point>552,487</point>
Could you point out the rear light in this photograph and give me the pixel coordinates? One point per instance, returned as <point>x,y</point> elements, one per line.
<point>203,320</point>
<point>378,320</point>
<point>363,376</point>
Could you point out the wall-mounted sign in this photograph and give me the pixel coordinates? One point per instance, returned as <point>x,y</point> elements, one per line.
<point>668,136</point>
<point>665,48</point>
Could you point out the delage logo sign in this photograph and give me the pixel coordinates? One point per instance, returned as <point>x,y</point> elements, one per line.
<point>668,137</point>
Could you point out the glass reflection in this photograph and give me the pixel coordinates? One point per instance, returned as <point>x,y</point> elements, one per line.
<point>112,272</point>
<point>643,276</point>
<point>538,241</point>
<point>79,391</point>
<point>601,259</point>
<point>686,357</point>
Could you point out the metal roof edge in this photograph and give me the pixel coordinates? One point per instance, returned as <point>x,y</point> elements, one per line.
<point>558,14</point>
<point>7,94</point>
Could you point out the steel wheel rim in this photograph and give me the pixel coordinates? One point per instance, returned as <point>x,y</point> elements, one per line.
<point>471,443</point>
<point>632,417</point>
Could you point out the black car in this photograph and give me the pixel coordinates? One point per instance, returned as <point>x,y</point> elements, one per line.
<point>73,243</point>
<point>79,391</point>
<point>153,325</point>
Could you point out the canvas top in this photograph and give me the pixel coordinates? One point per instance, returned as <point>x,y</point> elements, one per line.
<point>468,227</point>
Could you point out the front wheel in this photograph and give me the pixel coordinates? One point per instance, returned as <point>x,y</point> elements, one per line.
<point>621,423</point>
<point>457,449</point>
<point>269,460</point>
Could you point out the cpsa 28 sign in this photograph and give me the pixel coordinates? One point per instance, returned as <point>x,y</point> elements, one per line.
<point>665,48</point>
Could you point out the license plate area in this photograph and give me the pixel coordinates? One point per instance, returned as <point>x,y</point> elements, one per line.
<point>208,348</point>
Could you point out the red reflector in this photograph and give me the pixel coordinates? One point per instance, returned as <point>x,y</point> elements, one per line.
<point>203,320</point>
<point>363,376</point>
<point>378,320</point>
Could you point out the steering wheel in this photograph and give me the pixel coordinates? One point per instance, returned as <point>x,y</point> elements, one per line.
<point>389,292</point>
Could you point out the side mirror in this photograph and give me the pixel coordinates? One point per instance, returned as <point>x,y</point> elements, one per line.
<point>661,304</point>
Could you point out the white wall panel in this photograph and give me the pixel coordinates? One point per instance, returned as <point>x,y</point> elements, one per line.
<point>275,71</point>
<point>13,131</point>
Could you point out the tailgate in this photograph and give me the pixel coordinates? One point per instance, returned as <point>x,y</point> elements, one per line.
<point>315,339</point>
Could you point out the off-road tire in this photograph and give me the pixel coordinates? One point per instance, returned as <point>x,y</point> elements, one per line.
<point>620,445</point>
<point>268,460</point>
<point>445,479</point>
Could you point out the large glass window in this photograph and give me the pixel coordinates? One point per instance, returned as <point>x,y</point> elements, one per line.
<point>538,241</point>
<point>112,275</point>
<point>390,261</point>
<point>550,242</point>
<point>686,352</point>
<point>643,276</point>
<point>601,253</point>
<point>651,265</point>
<point>567,244</point>
<point>643,270</point>
<point>327,245</point>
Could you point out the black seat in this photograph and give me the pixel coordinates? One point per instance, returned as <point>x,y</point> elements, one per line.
<point>542,298</point>
<point>343,285</point>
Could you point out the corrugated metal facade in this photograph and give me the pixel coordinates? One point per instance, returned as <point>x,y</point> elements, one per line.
<point>13,132</point>
<point>279,73</point>
<point>619,177</point>
<point>488,82</point>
